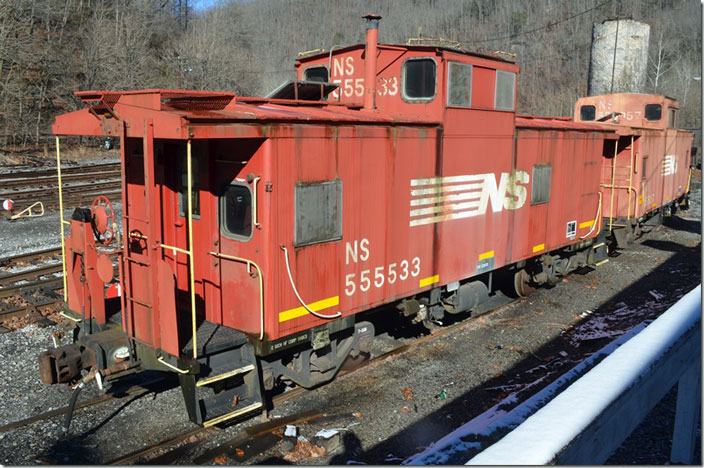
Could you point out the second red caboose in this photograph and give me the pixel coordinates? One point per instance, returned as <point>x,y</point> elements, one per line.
<point>646,172</point>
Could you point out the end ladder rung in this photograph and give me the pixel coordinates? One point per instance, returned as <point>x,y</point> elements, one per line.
<point>234,414</point>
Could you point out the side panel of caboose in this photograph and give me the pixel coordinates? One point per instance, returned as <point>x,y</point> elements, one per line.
<point>342,198</point>
<point>563,196</point>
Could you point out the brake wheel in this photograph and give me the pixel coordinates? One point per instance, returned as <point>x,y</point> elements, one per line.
<point>103,216</point>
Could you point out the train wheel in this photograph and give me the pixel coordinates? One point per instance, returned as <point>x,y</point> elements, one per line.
<point>521,283</point>
<point>353,362</point>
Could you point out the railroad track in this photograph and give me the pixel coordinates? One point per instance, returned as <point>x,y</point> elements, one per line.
<point>64,171</point>
<point>27,187</point>
<point>170,449</point>
<point>173,447</point>
<point>29,280</point>
<point>135,391</point>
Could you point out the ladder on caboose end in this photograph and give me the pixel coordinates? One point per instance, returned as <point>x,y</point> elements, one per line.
<point>159,332</point>
<point>227,383</point>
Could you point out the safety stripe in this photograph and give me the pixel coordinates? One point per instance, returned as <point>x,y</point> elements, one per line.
<point>315,306</point>
<point>428,281</point>
<point>640,199</point>
<point>486,255</point>
<point>538,248</point>
<point>586,224</point>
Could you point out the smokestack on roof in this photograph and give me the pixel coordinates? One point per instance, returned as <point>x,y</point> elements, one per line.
<point>370,47</point>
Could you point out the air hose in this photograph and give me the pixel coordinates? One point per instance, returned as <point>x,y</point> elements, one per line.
<point>72,405</point>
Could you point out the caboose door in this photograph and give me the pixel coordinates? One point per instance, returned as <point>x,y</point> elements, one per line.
<point>236,175</point>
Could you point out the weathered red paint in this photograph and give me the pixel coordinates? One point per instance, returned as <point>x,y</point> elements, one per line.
<point>394,161</point>
<point>651,168</point>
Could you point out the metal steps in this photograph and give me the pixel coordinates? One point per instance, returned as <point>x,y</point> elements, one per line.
<point>228,384</point>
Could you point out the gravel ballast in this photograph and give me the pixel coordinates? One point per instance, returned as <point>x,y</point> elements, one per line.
<point>405,402</point>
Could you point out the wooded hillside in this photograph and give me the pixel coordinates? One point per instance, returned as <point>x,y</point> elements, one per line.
<point>51,48</point>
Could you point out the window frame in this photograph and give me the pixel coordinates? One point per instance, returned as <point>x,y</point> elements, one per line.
<point>222,213</point>
<point>296,242</point>
<point>412,100</point>
<point>449,76</point>
<point>305,70</point>
<point>645,112</point>
<point>533,184</point>
<point>581,114</point>
<point>496,91</point>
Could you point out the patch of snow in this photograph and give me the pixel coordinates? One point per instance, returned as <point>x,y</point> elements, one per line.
<point>470,438</point>
<point>543,435</point>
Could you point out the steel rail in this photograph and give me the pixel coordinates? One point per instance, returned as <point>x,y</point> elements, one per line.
<point>296,392</point>
<point>30,274</point>
<point>67,190</point>
<point>67,170</point>
<point>137,391</point>
<point>47,283</point>
<point>30,256</point>
<point>27,309</point>
<point>53,180</point>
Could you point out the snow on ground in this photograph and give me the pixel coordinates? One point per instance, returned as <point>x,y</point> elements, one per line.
<point>542,436</point>
<point>471,437</point>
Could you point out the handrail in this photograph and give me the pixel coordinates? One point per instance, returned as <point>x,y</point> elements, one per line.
<point>171,366</point>
<point>630,183</point>
<point>596,218</point>
<point>190,247</point>
<point>298,296</point>
<point>261,285</point>
<point>61,215</point>
<point>255,221</point>
<point>613,182</point>
<point>639,374</point>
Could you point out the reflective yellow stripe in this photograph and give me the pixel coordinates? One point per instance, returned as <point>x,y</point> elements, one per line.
<point>428,281</point>
<point>640,199</point>
<point>486,255</point>
<point>586,224</point>
<point>538,248</point>
<point>315,306</point>
<point>601,262</point>
<point>654,205</point>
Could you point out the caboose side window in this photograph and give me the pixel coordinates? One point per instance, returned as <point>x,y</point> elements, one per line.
<point>318,73</point>
<point>418,80</point>
<point>236,211</point>
<point>459,85</point>
<point>653,111</point>
<point>587,113</point>
<point>505,90</point>
<point>318,212</point>
<point>540,190</point>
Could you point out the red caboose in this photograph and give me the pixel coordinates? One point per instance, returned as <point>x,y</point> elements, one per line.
<point>646,171</point>
<point>257,230</point>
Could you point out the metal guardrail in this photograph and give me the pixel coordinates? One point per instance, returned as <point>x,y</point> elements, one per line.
<point>588,421</point>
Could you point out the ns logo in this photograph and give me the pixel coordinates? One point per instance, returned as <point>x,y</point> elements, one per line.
<point>439,199</point>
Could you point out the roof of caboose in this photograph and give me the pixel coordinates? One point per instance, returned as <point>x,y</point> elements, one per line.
<point>176,109</point>
<point>439,47</point>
